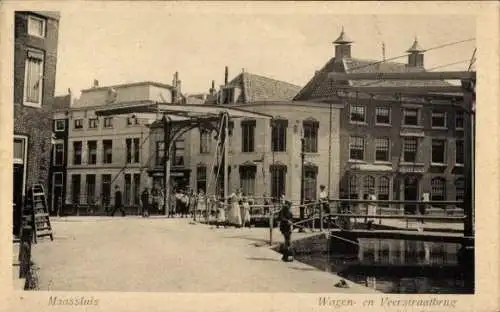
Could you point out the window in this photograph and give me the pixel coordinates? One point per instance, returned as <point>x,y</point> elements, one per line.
<point>383,188</point>
<point>459,152</point>
<point>278,181</point>
<point>92,150</point>
<point>459,190</point>
<point>128,189</point>
<point>128,142</point>
<point>356,148</point>
<point>108,122</point>
<point>438,189</point>
<point>59,125</point>
<point>33,77</point>
<point>382,149</point>
<point>459,120</point>
<point>410,146</point>
<point>137,149</point>
<point>107,146</point>
<point>137,188</point>
<point>178,153</point>
<point>36,26</point>
<point>357,113</point>
<point>201,179</point>
<point>368,184</point>
<point>311,136</point>
<point>310,182</point>
<point>438,151</point>
<point>383,115</point>
<point>78,123</point>
<point>278,135</point>
<point>77,153</point>
<point>353,187</point>
<point>75,188</point>
<point>247,179</point>
<point>410,116</point>
<point>106,189</point>
<point>132,121</point>
<point>438,119</point>
<point>248,136</point>
<point>93,122</point>
<point>19,150</point>
<point>160,149</point>
<point>59,154</point>
<point>205,141</point>
<point>90,188</point>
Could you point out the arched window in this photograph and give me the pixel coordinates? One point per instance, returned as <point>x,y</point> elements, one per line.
<point>383,188</point>
<point>368,184</point>
<point>438,190</point>
<point>459,190</point>
<point>353,187</point>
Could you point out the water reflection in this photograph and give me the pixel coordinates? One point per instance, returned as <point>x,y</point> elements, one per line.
<point>395,266</point>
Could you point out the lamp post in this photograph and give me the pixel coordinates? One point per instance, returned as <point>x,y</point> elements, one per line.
<point>302,158</point>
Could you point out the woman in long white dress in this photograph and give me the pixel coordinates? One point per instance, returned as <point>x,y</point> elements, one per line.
<point>221,213</point>
<point>246,212</point>
<point>234,214</point>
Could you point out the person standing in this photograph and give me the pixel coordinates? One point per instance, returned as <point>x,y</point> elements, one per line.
<point>145,202</point>
<point>246,212</point>
<point>286,224</point>
<point>323,199</point>
<point>371,208</point>
<point>234,214</point>
<point>118,202</point>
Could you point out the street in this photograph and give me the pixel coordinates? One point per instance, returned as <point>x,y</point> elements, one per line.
<point>170,255</point>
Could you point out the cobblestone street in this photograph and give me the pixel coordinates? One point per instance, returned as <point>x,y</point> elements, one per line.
<point>169,255</point>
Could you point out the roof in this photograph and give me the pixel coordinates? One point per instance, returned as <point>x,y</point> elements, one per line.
<point>343,39</point>
<point>62,102</point>
<point>321,85</point>
<point>415,47</point>
<point>257,88</point>
<point>133,84</point>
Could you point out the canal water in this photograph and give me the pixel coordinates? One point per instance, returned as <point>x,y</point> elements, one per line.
<point>393,266</point>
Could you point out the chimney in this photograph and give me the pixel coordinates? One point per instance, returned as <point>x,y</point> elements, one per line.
<point>342,46</point>
<point>416,55</point>
<point>212,89</point>
<point>226,75</point>
<point>179,84</point>
<point>96,83</point>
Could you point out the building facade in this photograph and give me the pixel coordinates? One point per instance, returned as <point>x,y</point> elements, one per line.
<point>113,151</point>
<point>35,60</point>
<point>397,147</point>
<point>264,157</point>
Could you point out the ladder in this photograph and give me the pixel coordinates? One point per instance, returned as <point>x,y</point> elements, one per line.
<point>41,218</point>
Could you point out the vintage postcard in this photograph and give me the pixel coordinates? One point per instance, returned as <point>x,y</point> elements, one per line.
<point>227,156</point>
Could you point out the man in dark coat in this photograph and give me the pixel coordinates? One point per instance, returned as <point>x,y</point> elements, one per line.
<point>145,202</point>
<point>286,221</point>
<point>118,202</point>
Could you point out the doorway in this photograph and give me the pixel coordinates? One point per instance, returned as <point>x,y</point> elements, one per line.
<point>411,193</point>
<point>18,181</point>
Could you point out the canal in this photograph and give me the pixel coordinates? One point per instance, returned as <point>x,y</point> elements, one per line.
<point>393,266</point>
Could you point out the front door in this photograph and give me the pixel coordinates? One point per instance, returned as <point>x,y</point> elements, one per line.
<point>411,193</point>
<point>17,200</point>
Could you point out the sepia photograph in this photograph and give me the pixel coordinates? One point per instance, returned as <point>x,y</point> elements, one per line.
<point>196,151</point>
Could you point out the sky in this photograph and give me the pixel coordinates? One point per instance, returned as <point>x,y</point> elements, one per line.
<point>149,43</point>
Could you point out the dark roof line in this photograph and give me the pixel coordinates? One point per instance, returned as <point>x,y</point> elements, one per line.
<point>133,84</point>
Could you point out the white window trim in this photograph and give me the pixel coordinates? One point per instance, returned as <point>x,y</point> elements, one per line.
<point>388,151</point>
<point>364,150</point>
<point>56,128</point>
<point>419,117</point>
<point>23,161</point>
<point>40,95</point>
<point>44,26</point>
<point>445,121</point>
<point>364,114</point>
<point>390,116</point>
<point>55,151</point>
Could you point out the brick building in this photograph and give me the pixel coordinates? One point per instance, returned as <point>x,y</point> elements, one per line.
<point>35,58</point>
<point>264,157</point>
<point>398,147</point>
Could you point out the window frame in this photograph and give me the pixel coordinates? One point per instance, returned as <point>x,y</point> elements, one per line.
<point>417,143</point>
<point>310,135</point>
<point>108,122</point>
<point>445,121</point>
<point>279,130</point>
<point>388,108</point>
<point>418,123</point>
<point>93,123</point>
<point>32,54</point>
<point>388,151</point>
<point>444,155</point>
<point>201,169</point>
<point>75,143</point>
<point>248,136</point>
<point>248,178</point>
<point>310,182</point>
<point>351,108</point>
<point>58,143</point>
<point>456,152</point>
<point>457,114</point>
<point>57,122</point>
<point>104,154</point>
<point>159,153</point>
<point>205,141</point>
<point>44,26</point>
<point>89,152</point>
<point>76,122</point>
<point>351,144</point>
<point>433,188</point>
